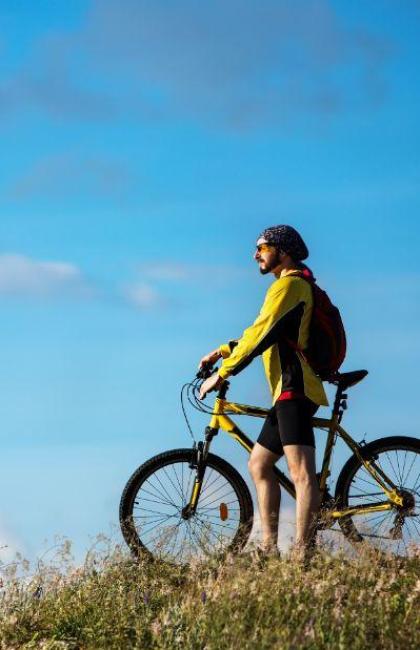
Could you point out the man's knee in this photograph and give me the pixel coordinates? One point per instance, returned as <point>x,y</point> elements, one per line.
<point>256,468</point>
<point>261,463</point>
<point>302,473</point>
<point>302,476</point>
<point>301,463</point>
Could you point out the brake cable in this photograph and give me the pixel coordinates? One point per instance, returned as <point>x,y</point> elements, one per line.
<point>190,391</point>
<point>186,387</point>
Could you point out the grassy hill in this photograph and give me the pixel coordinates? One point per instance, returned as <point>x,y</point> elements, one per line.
<point>113,602</point>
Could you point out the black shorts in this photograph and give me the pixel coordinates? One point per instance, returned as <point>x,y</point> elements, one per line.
<point>289,422</point>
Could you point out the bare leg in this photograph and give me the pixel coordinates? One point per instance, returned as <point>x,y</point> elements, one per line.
<point>268,492</point>
<point>301,462</point>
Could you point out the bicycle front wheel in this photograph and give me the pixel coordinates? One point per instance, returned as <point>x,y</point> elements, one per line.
<point>396,530</point>
<point>155,495</point>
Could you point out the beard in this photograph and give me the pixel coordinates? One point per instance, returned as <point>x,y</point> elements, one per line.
<point>270,266</point>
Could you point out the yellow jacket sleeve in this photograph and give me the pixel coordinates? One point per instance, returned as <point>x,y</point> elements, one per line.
<point>281,297</point>
<point>226,349</point>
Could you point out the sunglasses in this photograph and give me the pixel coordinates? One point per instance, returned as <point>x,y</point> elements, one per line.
<point>264,248</point>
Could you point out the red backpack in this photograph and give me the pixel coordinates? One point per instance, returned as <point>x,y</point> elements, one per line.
<point>327,338</point>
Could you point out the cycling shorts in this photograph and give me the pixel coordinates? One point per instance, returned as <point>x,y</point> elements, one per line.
<point>289,422</point>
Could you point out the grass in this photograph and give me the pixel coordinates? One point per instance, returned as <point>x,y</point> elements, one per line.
<point>113,602</point>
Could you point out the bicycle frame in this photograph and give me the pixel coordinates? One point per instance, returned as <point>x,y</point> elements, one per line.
<point>220,420</point>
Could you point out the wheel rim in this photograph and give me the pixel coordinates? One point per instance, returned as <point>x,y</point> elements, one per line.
<point>156,523</point>
<point>398,530</point>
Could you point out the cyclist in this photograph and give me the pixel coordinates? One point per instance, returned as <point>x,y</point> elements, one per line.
<point>280,330</point>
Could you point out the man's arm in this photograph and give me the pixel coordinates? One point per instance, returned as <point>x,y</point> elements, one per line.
<point>223,351</point>
<point>227,348</point>
<point>280,299</point>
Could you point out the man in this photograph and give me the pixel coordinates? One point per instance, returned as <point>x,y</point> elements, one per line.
<point>278,333</point>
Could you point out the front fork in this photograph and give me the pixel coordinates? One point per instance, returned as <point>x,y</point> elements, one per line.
<point>198,462</point>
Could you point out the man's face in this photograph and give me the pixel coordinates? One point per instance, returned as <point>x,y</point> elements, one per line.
<point>267,256</point>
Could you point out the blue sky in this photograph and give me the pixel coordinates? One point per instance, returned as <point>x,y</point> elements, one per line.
<point>144,145</point>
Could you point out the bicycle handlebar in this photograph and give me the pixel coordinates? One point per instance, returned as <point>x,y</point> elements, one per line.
<point>205,371</point>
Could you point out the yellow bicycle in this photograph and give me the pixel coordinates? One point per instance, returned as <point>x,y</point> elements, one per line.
<point>188,503</point>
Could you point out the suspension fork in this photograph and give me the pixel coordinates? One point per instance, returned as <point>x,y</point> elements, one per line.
<point>199,463</point>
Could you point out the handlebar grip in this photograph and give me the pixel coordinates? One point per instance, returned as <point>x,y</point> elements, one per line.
<point>206,371</point>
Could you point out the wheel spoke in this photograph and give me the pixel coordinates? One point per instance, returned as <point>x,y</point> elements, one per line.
<point>390,462</point>
<point>207,496</point>
<point>155,512</point>
<point>162,499</point>
<point>188,491</point>
<point>172,483</point>
<point>415,526</point>
<point>411,467</point>
<point>181,492</point>
<point>378,524</point>
<point>164,489</point>
<point>366,494</point>
<point>399,470</point>
<point>417,484</point>
<point>207,529</point>
<point>217,478</point>
<point>360,478</point>
<point>227,503</point>
<point>209,473</point>
<point>182,483</point>
<point>401,465</point>
<point>152,527</point>
<point>403,469</point>
<point>216,523</point>
<point>149,518</point>
<point>156,490</point>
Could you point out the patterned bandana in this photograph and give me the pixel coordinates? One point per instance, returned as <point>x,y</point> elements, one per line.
<point>287,239</point>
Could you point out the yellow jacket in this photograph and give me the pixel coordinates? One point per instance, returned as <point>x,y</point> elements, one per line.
<point>285,316</point>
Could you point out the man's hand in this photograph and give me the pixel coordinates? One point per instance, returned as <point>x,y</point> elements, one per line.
<point>210,358</point>
<point>212,383</point>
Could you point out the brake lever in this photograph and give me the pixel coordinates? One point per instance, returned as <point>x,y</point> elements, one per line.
<point>206,371</point>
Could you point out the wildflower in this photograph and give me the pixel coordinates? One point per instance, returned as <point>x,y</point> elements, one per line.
<point>146,597</point>
<point>203,597</point>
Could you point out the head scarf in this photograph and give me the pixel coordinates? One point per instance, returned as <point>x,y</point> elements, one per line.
<point>286,239</point>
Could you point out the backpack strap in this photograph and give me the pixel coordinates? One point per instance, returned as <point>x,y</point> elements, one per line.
<point>305,274</point>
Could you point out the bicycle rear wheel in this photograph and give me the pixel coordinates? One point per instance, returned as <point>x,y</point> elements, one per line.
<point>153,499</point>
<point>397,530</point>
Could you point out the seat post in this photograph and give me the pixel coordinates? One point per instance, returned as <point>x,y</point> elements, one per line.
<point>343,381</point>
<point>340,403</point>
<point>337,400</point>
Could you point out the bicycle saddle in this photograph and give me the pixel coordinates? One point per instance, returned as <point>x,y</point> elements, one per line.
<point>346,379</point>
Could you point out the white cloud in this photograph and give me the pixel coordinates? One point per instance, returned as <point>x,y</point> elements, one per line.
<point>24,276</point>
<point>156,284</point>
<point>143,296</point>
